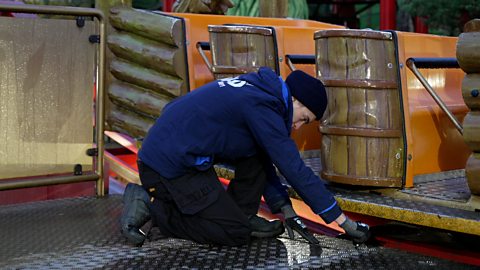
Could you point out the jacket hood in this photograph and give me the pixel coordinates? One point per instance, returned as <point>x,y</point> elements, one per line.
<point>269,82</point>
<point>266,80</point>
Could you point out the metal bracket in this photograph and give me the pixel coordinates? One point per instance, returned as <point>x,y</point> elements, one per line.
<point>202,45</point>
<point>430,63</point>
<point>92,152</point>
<point>77,169</point>
<point>305,59</point>
<point>94,38</point>
<point>80,21</point>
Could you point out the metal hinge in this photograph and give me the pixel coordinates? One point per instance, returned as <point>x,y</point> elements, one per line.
<point>92,152</point>
<point>94,38</point>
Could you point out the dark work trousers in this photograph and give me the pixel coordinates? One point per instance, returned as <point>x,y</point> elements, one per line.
<point>247,187</point>
<point>196,207</point>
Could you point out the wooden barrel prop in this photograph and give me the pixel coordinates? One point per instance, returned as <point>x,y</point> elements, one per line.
<point>362,128</point>
<point>241,49</point>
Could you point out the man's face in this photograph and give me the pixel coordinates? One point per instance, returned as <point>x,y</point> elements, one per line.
<point>301,115</point>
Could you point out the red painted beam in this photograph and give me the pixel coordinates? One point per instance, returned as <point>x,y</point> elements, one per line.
<point>420,26</point>
<point>167,5</point>
<point>388,15</point>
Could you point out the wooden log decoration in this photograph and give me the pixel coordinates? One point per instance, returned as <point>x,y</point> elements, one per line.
<point>148,24</point>
<point>148,53</point>
<point>362,141</point>
<point>273,8</point>
<point>241,49</point>
<point>127,122</point>
<point>472,26</point>
<point>149,67</point>
<point>468,47</point>
<point>472,172</point>
<point>471,130</point>
<point>471,90</point>
<point>468,57</point>
<point>146,78</point>
<point>137,99</point>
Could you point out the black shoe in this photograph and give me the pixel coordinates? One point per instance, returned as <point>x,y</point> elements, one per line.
<point>262,228</point>
<point>135,213</point>
<point>296,224</point>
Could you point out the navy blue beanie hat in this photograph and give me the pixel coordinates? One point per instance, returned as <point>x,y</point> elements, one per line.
<point>309,91</point>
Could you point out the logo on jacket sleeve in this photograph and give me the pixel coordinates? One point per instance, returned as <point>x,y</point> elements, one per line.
<point>234,82</point>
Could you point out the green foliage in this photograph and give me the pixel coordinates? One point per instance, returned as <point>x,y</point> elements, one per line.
<point>444,17</point>
<point>296,8</point>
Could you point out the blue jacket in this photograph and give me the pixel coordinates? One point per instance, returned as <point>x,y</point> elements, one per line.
<point>236,118</point>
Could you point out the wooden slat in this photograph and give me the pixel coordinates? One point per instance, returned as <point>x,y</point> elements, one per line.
<point>338,56</point>
<point>357,147</point>
<point>240,49</point>
<point>377,108</point>
<point>221,45</point>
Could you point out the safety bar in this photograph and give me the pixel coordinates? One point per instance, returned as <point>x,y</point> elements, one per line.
<point>100,110</point>
<point>301,59</point>
<point>430,63</point>
<point>203,45</point>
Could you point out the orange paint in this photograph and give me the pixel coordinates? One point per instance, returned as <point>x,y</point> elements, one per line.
<point>432,140</point>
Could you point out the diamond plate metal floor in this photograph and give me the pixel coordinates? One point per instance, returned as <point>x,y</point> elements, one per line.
<point>83,233</point>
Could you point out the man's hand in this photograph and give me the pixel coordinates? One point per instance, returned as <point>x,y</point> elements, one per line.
<point>296,224</point>
<point>358,231</point>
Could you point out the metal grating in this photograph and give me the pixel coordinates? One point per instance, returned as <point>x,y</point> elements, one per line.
<point>448,186</point>
<point>83,233</point>
<point>409,205</point>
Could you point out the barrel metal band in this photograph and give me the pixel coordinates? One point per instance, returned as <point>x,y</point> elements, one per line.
<point>363,181</point>
<point>240,29</point>
<point>361,132</point>
<point>233,69</point>
<point>370,84</point>
<point>342,33</point>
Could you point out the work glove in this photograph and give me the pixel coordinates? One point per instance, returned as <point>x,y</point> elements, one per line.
<point>296,224</point>
<point>359,232</point>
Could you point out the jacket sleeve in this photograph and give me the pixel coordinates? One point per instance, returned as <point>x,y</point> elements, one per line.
<point>275,193</point>
<point>269,130</point>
